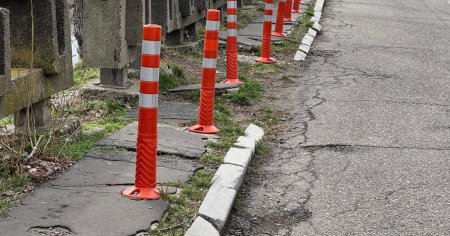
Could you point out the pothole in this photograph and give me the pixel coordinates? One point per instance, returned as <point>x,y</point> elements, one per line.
<point>51,231</point>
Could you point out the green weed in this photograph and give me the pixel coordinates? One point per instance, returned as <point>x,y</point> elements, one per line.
<point>248,92</point>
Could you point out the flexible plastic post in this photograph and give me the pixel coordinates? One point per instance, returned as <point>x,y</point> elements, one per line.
<point>206,111</point>
<point>296,7</point>
<point>232,48</point>
<point>288,12</point>
<point>279,25</point>
<point>145,179</point>
<point>267,34</point>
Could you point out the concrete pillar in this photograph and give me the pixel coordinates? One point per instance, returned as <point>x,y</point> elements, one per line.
<point>5,52</point>
<point>40,116</point>
<point>114,77</point>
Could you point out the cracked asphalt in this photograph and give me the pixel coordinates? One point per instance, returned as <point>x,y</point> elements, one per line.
<point>368,149</point>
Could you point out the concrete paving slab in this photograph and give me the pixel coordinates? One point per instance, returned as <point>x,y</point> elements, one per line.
<point>86,173</point>
<point>170,141</point>
<point>194,87</point>
<point>89,211</point>
<point>168,110</point>
<point>171,162</point>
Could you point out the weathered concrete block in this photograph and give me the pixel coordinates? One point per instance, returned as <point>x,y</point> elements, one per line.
<point>315,19</point>
<point>53,56</point>
<point>216,206</point>
<point>317,27</point>
<point>300,56</point>
<point>113,77</point>
<point>201,227</point>
<point>246,142</point>
<point>109,18</point>
<point>312,33</point>
<point>304,48</point>
<point>255,132</point>
<point>238,156</point>
<point>308,40</point>
<point>5,52</point>
<point>135,18</point>
<point>47,48</point>
<point>187,7</point>
<point>40,112</point>
<point>230,176</point>
<point>318,14</point>
<point>319,5</point>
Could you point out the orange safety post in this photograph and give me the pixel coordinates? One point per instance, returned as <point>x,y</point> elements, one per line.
<point>145,179</point>
<point>296,7</point>
<point>288,12</point>
<point>232,49</point>
<point>266,37</point>
<point>280,20</point>
<point>206,112</point>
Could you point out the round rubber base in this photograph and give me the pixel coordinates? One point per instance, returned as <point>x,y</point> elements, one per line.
<point>266,60</point>
<point>204,129</point>
<point>296,11</point>
<point>234,81</point>
<point>280,35</point>
<point>142,193</point>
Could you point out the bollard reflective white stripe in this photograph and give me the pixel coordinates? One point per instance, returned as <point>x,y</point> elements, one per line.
<point>231,18</point>
<point>232,32</point>
<point>148,100</point>
<point>212,25</point>
<point>231,4</point>
<point>268,6</point>
<point>149,74</point>
<point>151,47</point>
<point>209,63</point>
<point>267,18</point>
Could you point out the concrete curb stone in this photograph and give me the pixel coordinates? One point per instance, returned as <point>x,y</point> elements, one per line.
<point>308,40</point>
<point>230,176</point>
<point>202,227</point>
<point>246,142</point>
<point>255,132</point>
<point>312,33</point>
<point>238,156</point>
<point>304,48</point>
<point>300,56</point>
<point>216,207</point>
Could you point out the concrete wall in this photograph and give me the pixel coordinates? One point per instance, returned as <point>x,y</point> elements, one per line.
<point>5,52</point>
<point>52,54</point>
<point>112,30</point>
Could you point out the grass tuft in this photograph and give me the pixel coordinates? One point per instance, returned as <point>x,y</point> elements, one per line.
<point>248,92</point>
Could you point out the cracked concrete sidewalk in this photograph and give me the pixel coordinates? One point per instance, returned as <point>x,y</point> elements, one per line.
<point>367,152</point>
<point>86,200</point>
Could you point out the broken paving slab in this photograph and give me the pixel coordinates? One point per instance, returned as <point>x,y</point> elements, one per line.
<point>171,162</point>
<point>103,173</point>
<point>220,87</point>
<point>86,199</point>
<point>170,141</point>
<point>87,211</point>
<point>168,110</point>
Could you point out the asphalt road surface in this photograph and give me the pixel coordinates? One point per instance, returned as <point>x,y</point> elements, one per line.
<point>368,151</point>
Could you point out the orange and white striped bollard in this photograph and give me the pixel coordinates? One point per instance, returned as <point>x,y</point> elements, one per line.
<point>232,47</point>
<point>267,34</point>
<point>147,140</point>
<point>279,25</point>
<point>206,111</point>
<point>288,12</point>
<point>296,7</point>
